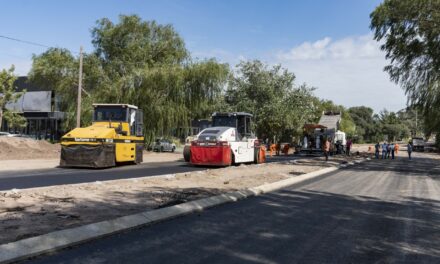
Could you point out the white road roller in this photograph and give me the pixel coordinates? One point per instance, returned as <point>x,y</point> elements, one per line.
<point>229,141</point>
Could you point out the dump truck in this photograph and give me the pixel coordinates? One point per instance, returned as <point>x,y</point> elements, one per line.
<point>115,137</point>
<point>327,128</point>
<point>229,141</point>
<point>418,144</point>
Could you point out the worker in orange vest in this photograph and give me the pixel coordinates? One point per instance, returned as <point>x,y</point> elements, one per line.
<point>286,149</point>
<point>272,149</point>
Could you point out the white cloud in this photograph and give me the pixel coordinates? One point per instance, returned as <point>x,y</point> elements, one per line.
<point>348,71</point>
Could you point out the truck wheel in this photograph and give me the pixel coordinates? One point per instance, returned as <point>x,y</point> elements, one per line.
<point>233,159</point>
<point>257,155</point>
<point>187,153</point>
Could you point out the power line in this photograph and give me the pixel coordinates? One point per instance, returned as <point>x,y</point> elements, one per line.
<point>25,41</point>
<point>31,43</point>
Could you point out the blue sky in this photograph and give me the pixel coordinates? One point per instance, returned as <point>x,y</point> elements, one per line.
<point>327,44</point>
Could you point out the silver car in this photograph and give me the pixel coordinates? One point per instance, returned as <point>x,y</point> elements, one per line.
<point>162,145</point>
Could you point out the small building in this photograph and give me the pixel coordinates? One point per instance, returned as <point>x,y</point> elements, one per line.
<point>41,108</point>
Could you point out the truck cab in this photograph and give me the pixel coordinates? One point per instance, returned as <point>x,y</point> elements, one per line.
<point>128,119</point>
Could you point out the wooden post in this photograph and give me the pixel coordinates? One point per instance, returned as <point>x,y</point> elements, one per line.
<point>78,107</point>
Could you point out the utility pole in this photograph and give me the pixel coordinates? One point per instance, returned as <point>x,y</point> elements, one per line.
<point>78,106</point>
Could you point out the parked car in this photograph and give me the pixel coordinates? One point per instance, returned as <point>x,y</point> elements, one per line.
<point>162,145</point>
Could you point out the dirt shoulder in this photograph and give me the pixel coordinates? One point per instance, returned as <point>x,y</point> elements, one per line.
<point>30,212</point>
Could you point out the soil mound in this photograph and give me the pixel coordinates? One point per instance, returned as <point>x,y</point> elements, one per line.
<point>13,148</point>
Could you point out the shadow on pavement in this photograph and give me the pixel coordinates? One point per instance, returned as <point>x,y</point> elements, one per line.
<point>289,226</point>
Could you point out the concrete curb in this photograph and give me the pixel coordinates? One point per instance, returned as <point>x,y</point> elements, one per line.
<point>34,246</point>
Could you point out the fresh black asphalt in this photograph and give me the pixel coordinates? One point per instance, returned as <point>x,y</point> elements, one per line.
<point>59,176</point>
<point>376,212</point>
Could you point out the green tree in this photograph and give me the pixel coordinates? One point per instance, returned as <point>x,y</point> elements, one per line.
<point>366,127</point>
<point>410,31</point>
<point>392,126</point>
<point>136,62</point>
<point>280,109</point>
<point>9,95</point>
<point>58,68</point>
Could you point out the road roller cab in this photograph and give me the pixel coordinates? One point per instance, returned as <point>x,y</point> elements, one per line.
<point>115,136</point>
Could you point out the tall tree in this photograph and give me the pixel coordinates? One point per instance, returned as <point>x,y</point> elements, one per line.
<point>366,127</point>
<point>137,62</point>
<point>280,109</point>
<point>410,33</point>
<point>9,95</point>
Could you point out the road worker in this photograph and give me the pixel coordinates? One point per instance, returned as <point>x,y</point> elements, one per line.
<point>278,148</point>
<point>396,148</point>
<point>286,149</point>
<point>273,148</point>
<point>377,150</point>
<point>384,150</point>
<point>326,149</point>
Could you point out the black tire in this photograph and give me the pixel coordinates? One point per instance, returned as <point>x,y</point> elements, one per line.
<point>257,155</point>
<point>187,153</point>
<point>233,159</point>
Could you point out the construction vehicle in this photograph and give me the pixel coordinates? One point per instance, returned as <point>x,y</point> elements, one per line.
<point>326,129</point>
<point>418,144</point>
<point>115,136</point>
<point>229,141</point>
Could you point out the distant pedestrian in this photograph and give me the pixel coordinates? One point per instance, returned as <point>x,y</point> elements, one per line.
<point>388,150</point>
<point>305,142</point>
<point>326,149</point>
<point>409,148</point>
<point>377,150</point>
<point>384,150</point>
<point>392,150</point>
<point>396,148</point>
<point>348,147</point>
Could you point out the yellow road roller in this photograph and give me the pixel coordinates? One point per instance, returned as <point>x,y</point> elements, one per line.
<point>115,136</point>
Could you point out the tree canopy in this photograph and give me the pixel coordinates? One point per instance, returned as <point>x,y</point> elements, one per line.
<point>137,62</point>
<point>9,95</point>
<point>279,107</point>
<point>409,31</point>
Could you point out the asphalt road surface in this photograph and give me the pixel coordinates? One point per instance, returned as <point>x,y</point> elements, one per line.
<point>58,176</point>
<point>377,212</point>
